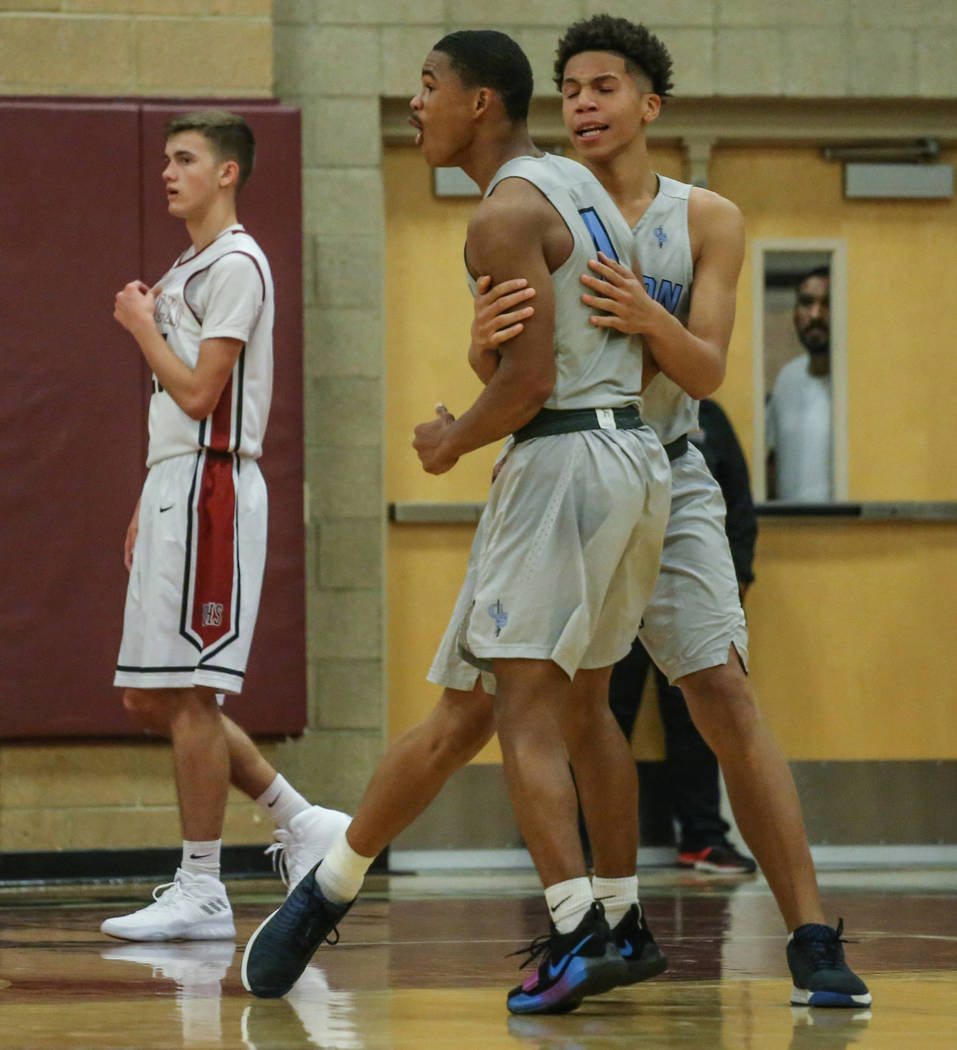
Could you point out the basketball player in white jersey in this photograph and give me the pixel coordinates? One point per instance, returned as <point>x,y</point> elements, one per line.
<point>196,545</point>
<point>566,554</point>
<point>689,244</point>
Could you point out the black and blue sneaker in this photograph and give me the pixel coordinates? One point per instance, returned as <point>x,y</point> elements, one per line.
<point>820,974</point>
<point>573,965</point>
<point>280,949</point>
<point>637,946</point>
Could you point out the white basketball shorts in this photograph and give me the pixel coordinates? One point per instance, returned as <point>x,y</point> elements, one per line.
<point>198,560</point>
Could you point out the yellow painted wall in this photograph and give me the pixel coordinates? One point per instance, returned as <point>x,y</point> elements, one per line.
<point>852,628</point>
<point>851,622</point>
<point>901,305</point>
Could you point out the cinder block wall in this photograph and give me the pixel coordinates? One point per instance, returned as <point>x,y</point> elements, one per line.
<point>136,47</point>
<point>336,59</point>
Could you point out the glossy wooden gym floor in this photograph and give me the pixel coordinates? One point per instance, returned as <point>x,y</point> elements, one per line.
<point>423,964</point>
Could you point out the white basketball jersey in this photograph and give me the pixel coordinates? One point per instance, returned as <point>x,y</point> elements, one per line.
<point>596,367</point>
<point>663,249</point>
<point>224,291</point>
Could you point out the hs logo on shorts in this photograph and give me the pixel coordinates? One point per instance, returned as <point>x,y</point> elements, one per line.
<point>212,614</point>
<point>499,615</point>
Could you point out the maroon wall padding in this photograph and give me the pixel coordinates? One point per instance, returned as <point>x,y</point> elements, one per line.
<point>83,212</point>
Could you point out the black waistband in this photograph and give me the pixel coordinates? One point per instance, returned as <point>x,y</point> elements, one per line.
<point>567,420</point>
<point>677,448</point>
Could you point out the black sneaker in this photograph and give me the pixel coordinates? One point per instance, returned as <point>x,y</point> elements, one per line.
<point>583,962</point>
<point>821,976</point>
<point>720,860</point>
<point>637,946</point>
<point>280,949</point>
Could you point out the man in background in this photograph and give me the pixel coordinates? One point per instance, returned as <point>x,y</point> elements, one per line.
<point>798,420</point>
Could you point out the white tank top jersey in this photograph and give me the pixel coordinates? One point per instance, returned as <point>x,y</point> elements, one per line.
<point>662,246</point>
<point>224,291</point>
<point>596,367</point>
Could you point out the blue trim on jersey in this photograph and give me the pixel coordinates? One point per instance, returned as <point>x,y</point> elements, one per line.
<point>599,234</point>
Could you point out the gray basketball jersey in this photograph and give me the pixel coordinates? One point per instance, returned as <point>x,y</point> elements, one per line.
<point>663,249</point>
<point>596,367</point>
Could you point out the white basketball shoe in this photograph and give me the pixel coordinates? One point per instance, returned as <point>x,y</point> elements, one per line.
<point>190,908</point>
<point>309,838</point>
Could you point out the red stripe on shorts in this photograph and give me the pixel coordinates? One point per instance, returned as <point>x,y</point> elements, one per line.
<point>215,550</point>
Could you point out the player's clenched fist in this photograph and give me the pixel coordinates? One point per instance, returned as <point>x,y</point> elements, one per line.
<point>428,442</point>
<point>133,306</point>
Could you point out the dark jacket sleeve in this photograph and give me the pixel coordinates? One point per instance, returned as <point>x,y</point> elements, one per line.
<point>726,461</point>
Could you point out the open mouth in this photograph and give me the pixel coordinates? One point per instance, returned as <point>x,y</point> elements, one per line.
<point>590,131</point>
<point>418,130</point>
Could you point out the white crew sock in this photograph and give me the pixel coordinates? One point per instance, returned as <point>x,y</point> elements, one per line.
<point>281,802</point>
<point>342,872</point>
<point>617,895</point>
<point>202,858</point>
<point>568,901</point>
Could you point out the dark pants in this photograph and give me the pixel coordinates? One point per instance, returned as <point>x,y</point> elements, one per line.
<point>685,784</point>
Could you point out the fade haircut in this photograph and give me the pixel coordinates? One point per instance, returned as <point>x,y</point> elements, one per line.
<point>642,51</point>
<point>230,137</point>
<point>487,58</point>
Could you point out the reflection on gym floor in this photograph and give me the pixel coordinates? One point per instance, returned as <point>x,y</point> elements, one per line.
<point>423,962</point>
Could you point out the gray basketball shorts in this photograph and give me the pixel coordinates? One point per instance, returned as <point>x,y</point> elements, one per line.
<point>695,614</point>
<point>564,558</point>
<point>193,592</point>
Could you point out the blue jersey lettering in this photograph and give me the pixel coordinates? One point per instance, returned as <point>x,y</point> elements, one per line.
<point>599,234</point>
<point>666,293</point>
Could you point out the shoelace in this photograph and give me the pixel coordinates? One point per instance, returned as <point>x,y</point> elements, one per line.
<point>167,892</point>
<point>277,852</point>
<point>328,939</point>
<point>534,951</point>
<point>827,951</point>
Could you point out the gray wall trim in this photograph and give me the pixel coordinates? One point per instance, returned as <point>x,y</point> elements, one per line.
<point>877,802</point>
<point>847,803</point>
<point>407,512</point>
<point>826,858</point>
<point>411,512</point>
<point>875,511</point>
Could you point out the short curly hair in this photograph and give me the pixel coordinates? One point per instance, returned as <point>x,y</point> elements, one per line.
<point>639,47</point>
